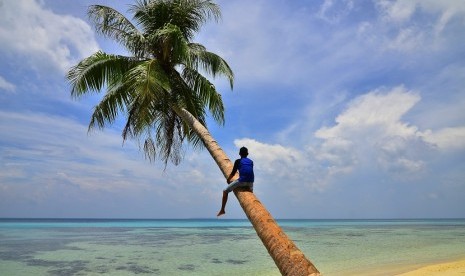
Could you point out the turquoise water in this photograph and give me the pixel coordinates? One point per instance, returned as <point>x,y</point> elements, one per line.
<point>220,247</point>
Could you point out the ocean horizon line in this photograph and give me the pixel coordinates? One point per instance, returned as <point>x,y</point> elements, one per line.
<point>211,218</point>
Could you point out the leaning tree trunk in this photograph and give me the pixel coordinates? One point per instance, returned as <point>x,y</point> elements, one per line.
<point>287,257</point>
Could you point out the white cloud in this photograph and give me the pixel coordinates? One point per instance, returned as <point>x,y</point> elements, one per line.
<point>269,153</point>
<point>333,12</point>
<point>282,167</point>
<point>46,39</point>
<point>7,86</point>
<point>446,138</point>
<point>372,110</point>
<point>407,39</point>
<point>372,129</point>
<point>46,154</point>
<point>413,26</point>
<point>396,11</point>
<point>401,11</point>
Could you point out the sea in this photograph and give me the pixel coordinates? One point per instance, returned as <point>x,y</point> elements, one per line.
<point>221,246</point>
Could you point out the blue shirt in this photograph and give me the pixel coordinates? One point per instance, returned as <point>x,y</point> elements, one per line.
<point>245,167</point>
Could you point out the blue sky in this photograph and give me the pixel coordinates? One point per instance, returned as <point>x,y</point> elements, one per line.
<point>350,109</point>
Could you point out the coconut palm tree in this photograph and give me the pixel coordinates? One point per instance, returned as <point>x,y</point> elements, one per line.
<point>161,90</point>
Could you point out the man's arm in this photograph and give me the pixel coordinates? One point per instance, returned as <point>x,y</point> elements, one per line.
<point>234,171</point>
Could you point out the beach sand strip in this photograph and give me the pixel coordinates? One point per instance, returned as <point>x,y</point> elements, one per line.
<point>443,269</point>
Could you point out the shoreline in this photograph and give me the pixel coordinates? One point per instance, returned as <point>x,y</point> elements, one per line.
<point>446,267</point>
<point>449,268</point>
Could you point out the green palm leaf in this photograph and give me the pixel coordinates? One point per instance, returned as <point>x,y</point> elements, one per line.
<point>114,25</point>
<point>207,93</point>
<point>97,70</point>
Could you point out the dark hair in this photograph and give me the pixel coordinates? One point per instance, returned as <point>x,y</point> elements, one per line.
<point>243,151</point>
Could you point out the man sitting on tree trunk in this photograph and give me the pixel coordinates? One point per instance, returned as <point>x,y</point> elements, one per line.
<point>246,177</point>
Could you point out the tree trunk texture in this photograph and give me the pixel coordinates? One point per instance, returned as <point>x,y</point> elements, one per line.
<point>287,257</point>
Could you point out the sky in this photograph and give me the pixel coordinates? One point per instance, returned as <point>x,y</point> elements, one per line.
<point>349,109</point>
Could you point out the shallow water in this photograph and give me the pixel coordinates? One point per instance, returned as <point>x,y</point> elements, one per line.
<point>220,247</point>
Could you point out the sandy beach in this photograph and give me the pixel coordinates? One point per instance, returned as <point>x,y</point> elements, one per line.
<point>442,269</point>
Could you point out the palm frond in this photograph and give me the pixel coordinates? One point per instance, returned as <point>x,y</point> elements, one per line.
<point>111,23</point>
<point>115,100</point>
<point>151,15</point>
<point>211,63</point>
<point>170,138</point>
<point>166,142</point>
<point>97,70</point>
<point>148,75</point>
<point>151,87</point>
<point>191,15</point>
<point>172,43</point>
<point>150,149</point>
<point>206,92</point>
<point>188,15</point>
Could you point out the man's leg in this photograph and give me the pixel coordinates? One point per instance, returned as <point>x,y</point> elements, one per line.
<point>223,204</point>
<point>229,189</point>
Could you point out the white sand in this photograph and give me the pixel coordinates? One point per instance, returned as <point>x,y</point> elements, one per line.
<point>442,269</point>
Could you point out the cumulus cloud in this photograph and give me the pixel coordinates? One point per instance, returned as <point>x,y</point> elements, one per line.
<point>276,159</point>
<point>372,129</point>
<point>284,168</point>
<point>446,138</point>
<point>45,38</point>
<point>374,109</point>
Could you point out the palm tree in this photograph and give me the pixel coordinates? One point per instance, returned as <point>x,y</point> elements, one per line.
<point>165,98</point>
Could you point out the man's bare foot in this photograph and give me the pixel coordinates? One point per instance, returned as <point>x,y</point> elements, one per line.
<point>220,213</point>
